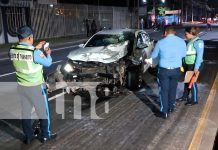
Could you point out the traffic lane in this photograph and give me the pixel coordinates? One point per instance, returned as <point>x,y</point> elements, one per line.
<point>210,47</point>
<point>159,35</point>
<point>179,32</point>
<point>210,61</point>
<point>7,72</point>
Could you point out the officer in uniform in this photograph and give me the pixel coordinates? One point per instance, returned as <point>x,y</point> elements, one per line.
<point>192,62</point>
<point>28,62</point>
<point>170,51</point>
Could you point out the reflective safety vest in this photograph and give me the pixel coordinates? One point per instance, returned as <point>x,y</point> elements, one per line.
<point>28,73</point>
<point>191,52</point>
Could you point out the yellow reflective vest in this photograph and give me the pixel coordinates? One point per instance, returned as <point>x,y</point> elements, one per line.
<point>28,73</point>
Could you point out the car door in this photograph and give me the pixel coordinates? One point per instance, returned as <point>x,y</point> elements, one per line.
<point>143,48</point>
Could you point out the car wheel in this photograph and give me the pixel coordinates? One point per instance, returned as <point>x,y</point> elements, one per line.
<point>132,78</point>
<point>84,95</point>
<point>104,91</point>
<point>80,98</point>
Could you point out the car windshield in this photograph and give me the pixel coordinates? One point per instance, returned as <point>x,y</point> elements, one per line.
<point>104,40</point>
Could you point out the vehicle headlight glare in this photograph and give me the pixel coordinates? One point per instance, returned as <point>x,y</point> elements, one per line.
<point>68,68</point>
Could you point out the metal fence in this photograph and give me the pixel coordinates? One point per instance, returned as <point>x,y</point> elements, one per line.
<point>63,20</point>
<point>15,18</point>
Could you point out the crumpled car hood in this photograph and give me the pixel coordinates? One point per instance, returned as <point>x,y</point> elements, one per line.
<point>103,54</point>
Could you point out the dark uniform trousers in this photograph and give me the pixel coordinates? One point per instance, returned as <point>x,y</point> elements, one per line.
<point>194,89</point>
<point>34,96</point>
<point>168,81</point>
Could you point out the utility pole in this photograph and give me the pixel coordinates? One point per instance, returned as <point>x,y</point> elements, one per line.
<point>134,25</point>
<point>186,13</point>
<point>192,12</point>
<point>181,20</point>
<point>154,8</point>
<point>99,18</point>
<point>174,18</point>
<point>138,15</point>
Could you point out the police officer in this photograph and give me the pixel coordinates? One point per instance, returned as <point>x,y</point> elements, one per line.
<point>192,62</point>
<point>170,51</point>
<point>28,62</point>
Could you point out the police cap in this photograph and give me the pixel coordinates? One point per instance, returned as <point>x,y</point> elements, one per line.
<point>24,32</point>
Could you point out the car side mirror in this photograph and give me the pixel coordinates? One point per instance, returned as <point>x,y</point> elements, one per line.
<point>81,45</point>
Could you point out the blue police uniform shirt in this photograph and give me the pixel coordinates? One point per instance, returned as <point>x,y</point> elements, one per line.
<point>170,51</point>
<point>39,58</point>
<point>199,46</point>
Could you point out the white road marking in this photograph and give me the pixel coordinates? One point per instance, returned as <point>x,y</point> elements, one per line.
<point>210,46</point>
<point>4,59</point>
<point>56,96</point>
<point>57,49</point>
<point>57,61</point>
<point>8,74</point>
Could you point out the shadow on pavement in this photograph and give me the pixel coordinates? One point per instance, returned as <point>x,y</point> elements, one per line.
<point>7,126</point>
<point>149,98</point>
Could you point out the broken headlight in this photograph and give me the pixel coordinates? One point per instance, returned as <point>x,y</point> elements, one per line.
<point>68,68</point>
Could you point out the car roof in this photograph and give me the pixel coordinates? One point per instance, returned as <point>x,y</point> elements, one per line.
<point>115,31</point>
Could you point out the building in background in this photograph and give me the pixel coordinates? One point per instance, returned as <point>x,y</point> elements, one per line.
<point>54,19</point>
<point>61,18</point>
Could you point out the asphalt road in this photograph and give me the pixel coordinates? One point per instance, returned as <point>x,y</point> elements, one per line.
<point>131,122</point>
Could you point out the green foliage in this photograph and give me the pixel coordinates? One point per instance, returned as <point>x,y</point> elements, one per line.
<point>161,10</point>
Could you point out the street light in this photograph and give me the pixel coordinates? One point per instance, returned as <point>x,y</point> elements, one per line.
<point>138,5</point>
<point>163,1</point>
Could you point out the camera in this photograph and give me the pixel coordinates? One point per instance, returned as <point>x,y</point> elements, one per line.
<point>46,46</point>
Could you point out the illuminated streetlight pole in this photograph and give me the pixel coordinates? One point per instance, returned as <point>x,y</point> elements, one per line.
<point>138,14</point>
<point>192,12</point>
<point>181,20</point>
<point>154,7</point>
<point>99,18</point>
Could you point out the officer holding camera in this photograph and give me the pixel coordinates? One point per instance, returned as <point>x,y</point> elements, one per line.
<point>28,62</point>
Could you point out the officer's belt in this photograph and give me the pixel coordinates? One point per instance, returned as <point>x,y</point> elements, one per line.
<point>169,68</point>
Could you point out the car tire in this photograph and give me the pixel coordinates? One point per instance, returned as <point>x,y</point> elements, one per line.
<point>70,101</point>
<point>85,96</point>
<point>132,78</point>
<point>104,91</point>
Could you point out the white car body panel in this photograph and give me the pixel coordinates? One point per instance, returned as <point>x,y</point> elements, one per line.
<point>103,54</point>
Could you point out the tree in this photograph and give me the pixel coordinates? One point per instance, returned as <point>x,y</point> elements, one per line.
<point>161,10</point>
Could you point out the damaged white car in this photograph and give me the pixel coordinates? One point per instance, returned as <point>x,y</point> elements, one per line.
<point>113,58</point>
